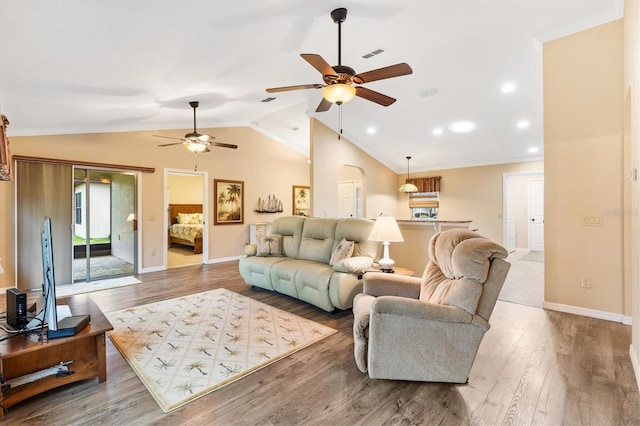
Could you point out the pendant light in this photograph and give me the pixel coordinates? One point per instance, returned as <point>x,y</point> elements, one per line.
<point>408,188</point>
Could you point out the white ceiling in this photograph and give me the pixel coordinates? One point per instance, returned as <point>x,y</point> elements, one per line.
<point>76,66</point>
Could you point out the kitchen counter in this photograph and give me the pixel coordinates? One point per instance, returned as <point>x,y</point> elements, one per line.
<point>438,224</point>
<point>413,253</point>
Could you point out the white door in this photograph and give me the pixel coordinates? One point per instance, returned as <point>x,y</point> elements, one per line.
<point>536,214</point>
<point>346,202</point>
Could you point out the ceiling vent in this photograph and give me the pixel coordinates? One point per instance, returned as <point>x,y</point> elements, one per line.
<point>431,91</point>
<point>269,99</point>
<point>372,54</point>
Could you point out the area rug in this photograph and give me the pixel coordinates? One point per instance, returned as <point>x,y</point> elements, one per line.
<point>184,348</point>
<point>87,287</point>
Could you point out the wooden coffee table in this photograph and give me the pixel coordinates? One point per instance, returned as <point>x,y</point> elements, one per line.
<point>21,356</point>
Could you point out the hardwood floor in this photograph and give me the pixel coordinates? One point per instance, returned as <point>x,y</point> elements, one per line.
<point>533,367</point>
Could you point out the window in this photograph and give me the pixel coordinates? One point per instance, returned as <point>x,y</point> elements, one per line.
<point>78,208</point>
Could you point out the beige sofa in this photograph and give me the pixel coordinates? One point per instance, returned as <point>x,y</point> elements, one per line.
<point>296,260</point>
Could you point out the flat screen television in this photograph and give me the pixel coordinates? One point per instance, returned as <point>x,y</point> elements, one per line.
<point>46,313</point>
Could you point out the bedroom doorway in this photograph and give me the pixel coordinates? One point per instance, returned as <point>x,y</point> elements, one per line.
<point>186,218</point>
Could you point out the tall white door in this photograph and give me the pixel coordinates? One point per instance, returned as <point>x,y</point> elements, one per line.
<point>346,201</point>
<point>536,214</point>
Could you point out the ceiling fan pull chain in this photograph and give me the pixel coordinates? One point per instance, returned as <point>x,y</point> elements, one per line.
<point>340,121</point>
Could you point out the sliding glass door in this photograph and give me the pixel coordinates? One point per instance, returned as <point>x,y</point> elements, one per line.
<point>104,224</point>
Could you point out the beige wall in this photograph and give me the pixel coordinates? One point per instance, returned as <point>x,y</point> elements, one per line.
<point>328,155</point>
<point>184,189</point>
<point>258,162</point>
<point>632,161</point>
<point>471,193</point>
<point>583,101</point>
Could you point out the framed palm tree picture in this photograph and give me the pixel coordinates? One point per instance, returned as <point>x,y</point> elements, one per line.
<point>229,203</point>
<point>301,201</point>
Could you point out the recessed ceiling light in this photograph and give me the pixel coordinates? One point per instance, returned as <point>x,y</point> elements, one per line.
<point>523,124</point>
<point>371,130</point>
<point>508,87</point>
<point>462,126</point>
<point>437,131</point>
<point>533,149</point>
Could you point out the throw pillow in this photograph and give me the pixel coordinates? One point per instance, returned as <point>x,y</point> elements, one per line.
<point>269,245</point>
<point>355,265</point>
<point>343,250</point>
<point>250,249</point>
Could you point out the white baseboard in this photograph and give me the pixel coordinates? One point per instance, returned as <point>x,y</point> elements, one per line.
<point>153,269</point>
<point>224,259</point>
<point>634,363</point>
<point>586,312</point>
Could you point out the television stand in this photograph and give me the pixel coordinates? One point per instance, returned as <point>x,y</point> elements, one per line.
<point>84,353</point>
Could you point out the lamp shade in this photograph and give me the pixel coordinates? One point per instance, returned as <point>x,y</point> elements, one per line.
<point>408,187</point>
<point>339,93</point>
<point>386,229</point>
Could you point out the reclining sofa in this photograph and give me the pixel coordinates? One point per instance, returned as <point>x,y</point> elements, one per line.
<point>318,260</point>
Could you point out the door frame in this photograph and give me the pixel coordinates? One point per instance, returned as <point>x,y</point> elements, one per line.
<point>205,211</point>
<point>505,205</point>
<point>137,232</point>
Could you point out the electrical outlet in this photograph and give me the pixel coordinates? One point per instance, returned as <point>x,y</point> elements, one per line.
<point>585,282</point>
<point>592,221</point>
<point>153,253</point>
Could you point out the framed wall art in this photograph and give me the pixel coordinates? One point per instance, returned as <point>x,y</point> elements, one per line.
<point>301,201</point>
<point>229,202</point>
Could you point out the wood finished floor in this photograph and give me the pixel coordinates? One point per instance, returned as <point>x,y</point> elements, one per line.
<point>534,367</point>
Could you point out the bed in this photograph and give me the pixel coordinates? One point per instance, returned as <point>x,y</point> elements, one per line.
<point>186,225</point>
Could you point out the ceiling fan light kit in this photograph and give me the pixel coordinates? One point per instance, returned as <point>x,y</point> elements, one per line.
<point>339,93</point>
<point>196,147</point>
<point>339,80</point>
<point>194,141</point>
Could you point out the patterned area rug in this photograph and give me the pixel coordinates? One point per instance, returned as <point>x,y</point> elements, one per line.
<point>184,348</point>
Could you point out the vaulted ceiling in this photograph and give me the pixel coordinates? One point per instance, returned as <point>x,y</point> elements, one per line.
<point>75,66</point>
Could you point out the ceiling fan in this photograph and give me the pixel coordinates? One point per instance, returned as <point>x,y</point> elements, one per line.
<point>339,80</point>
<point>194,141</point>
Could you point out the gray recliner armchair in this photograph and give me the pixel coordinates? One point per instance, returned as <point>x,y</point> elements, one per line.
<point>430,328</point>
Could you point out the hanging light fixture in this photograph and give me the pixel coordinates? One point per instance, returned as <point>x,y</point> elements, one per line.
<point>408,188</point>
<point>196,147</point>
<point>339,93</point>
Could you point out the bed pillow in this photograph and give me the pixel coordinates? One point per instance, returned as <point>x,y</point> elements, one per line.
<point>269,245</point>
<point>190,218</point>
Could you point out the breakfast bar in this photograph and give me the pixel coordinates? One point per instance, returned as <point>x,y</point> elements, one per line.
<point>413,253</point>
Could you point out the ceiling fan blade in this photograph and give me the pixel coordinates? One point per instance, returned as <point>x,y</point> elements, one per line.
<point>225,145</point>
<point>318,63</point>
<point>396,70</point>
<point>298,87</point>
<point>374,96</point>
<point>170,144</point>
<point>324,105</point>
<point>168,137</point>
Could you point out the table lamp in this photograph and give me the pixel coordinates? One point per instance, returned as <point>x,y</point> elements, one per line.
<point>386,230</point>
